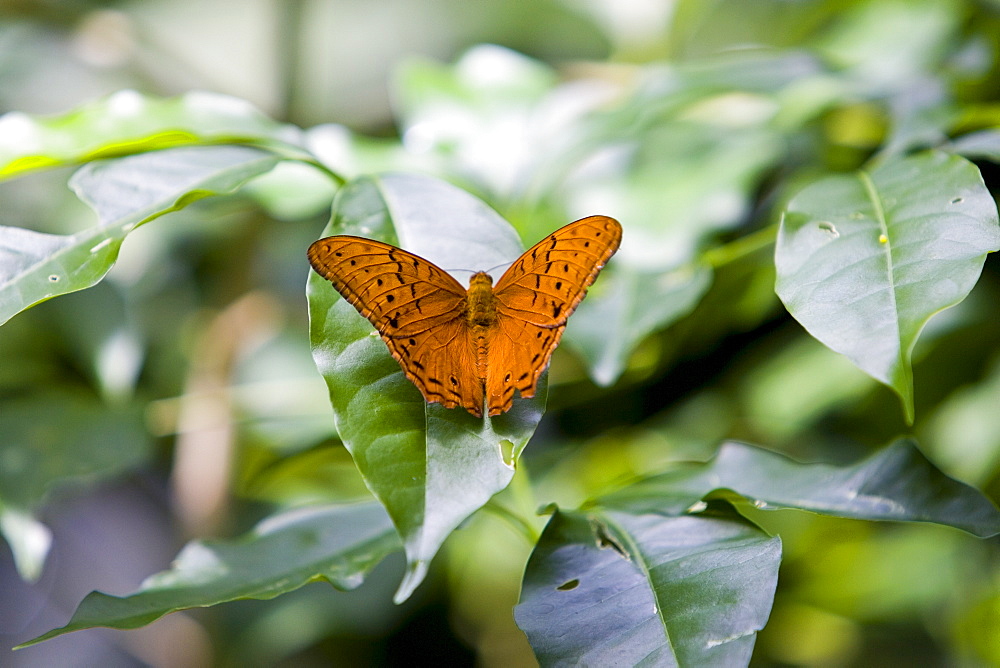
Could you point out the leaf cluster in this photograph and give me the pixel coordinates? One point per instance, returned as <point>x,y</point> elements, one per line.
<point>780,206</point>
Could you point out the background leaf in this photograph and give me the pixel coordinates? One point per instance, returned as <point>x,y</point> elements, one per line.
<point>124,193</point>
<point>897,483</point>
<point>629,305</point>
<point>864,261</point>
<point>432,467</point>
<point>339,544</point>
<point>29,541</point>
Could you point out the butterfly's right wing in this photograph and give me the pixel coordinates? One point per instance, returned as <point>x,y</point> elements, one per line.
<point>536,296</point>
<point>546,283</point>
<point>417,309</point>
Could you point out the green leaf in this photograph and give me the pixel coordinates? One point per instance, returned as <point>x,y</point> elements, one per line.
<point>615,588</point>
<point>339,544</point>
<point>430,466</point>
<point>897,483</point>
<point>628,305</point>
<point>126,123</point>
<point>125,193</point>
<point>863,261</point>
<point>982,144</point>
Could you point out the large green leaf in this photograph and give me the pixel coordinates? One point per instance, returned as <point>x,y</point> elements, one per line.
<point>432,467</point>
<point>126,123</point>
<point>612,588</point>
<point>865,260</point>
<point>339,544</point>
<point>125,193</point>
<point>897,483</point>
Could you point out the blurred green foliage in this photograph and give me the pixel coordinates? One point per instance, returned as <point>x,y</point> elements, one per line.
<point>185,376</point>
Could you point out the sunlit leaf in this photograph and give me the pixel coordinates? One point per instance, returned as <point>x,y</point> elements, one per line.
<point>654,575</point>
<point>865,260</point>
<point>495,118</point>
<point>432,467</point>
<point>897,483</point>
<point>126,123</point>
<point>29,541</point>
<point>125,193</point>
<point>614,588</point>
<point>339,544</point>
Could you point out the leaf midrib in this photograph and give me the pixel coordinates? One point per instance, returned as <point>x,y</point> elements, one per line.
<point>880,217</point>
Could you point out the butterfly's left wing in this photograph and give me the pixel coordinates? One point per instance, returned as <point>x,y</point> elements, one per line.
<point>417,309</point>
<point>536,296</point>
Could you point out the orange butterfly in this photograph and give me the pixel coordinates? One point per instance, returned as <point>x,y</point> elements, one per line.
<point>466,347</point>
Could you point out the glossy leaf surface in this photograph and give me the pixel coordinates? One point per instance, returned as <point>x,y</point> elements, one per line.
<point>865,260</point>
<point>615,588</point>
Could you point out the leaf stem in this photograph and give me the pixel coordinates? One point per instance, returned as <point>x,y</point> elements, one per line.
<point>740,248</point>
<point>520,524</point>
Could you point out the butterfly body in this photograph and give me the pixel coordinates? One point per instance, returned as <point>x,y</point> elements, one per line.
<point>480,302</point>
<point>470,347</point>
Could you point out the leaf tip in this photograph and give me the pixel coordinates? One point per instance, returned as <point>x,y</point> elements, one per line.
<point>416,570</point>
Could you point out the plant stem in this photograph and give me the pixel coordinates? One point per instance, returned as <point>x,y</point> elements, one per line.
<point>740,248</point>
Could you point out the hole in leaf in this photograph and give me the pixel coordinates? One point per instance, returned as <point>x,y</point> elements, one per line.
<point>957,200</point>
<point>507,453</point>
<point>605,539</point>
<point>53,278</point>
<point>568,585</point>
